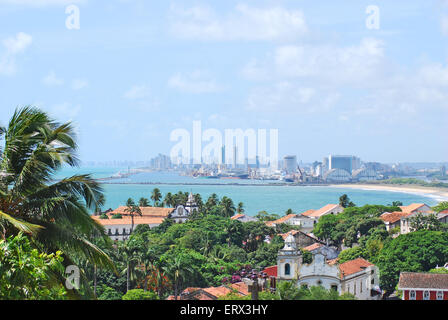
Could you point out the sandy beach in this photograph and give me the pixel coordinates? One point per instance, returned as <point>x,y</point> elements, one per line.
<point>440,194</point>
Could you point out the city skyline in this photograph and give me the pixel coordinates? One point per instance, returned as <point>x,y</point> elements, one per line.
<point>322,78</point>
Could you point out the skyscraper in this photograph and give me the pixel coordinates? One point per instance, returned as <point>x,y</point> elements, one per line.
<point>290,164</point>
<point>347,163</point>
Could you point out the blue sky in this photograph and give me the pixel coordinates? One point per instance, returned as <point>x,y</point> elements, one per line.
<point>136,70</point>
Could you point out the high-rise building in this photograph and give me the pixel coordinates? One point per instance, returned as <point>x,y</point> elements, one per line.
<point>290,164</point>
<point>161,162</point>
<point>235,157</point>
<point>347,163</point>
<point>223,155</point>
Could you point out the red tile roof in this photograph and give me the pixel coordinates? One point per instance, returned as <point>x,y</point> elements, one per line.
<point>353,266</point>
<point>271,271</point>
<point>126,220</point>
<point>285,218</point>
<point>410,280</point>
<point>217,291</point>
<point>332,261</point>
<point>308,213</point>
<point>393,217</point>
<point>314,246</point>
<point>285,235</point>
<point>235,217</point>
<point>146,211</point>
<point>323,210</point>
<point>241,287</point>
<point>412,207</point>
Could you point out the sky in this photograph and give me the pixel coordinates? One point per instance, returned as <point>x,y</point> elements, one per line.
<point>133,71</point>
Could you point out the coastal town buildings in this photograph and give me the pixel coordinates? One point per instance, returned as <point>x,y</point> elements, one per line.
<point>213,293</point>
<point>120,228</point>
<point>423,286</point>
<point>403,219</point>
<point>302,239</point>
<point>303,222</point>
<point>243,218</point>
<point>358,277</point>
<point>118,223</point>
<point>328,209</point>
<point>392,220</point>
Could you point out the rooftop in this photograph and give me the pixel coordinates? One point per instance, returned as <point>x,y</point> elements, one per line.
<point>353,266</point>
<point>146,211</point>
<point>412,207</point>
<point>324,210</point>
<point>314,246</point>
<point>393,217</point>
<point>126,220</point>
<point>409,280</point>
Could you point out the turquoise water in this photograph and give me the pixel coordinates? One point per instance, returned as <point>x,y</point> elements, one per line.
<point>256,197</point>
<point>273,199</point>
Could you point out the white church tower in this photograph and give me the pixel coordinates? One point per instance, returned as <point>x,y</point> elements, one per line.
<point>288,260</point>
<point>182,212</point>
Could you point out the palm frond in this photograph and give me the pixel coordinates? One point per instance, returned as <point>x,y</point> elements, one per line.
<point>56,237</point>
<point>23,226</point>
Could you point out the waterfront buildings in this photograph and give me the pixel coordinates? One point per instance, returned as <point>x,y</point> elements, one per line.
<point>423,286</point>
<point>161,162</point>
<point>403,219</point>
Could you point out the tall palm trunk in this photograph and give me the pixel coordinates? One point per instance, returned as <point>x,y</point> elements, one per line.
<point>127,277</point>
<point>94,279</point>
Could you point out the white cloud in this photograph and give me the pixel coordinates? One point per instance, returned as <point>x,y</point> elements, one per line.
<point>444,24</point>
<point>291,97</point>
<point>65,111</point>
<point>138,92</point>
<point>142,98</point>
<point>13,46</point>
<point>243,23</point>
<point>195,82</point>
<point>51,80</point>
<point>351,64</point>
<point>78,84</point>
<point>353,80</point>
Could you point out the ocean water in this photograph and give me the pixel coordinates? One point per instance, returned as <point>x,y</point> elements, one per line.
<point>255,196</point>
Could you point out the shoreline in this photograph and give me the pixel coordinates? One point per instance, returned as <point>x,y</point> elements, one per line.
<point>439,194</point>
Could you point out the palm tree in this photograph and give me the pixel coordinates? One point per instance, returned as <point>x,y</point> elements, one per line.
<point>54,213</point>
<point>178,270</point>
<point>143,202</point>
<point>156,196</point>
<point>129,253</point>
<point>169,200</point>
<point>240,208</point>
<point>212,201</point>
<point>133,210</point>
<point>228,208</point>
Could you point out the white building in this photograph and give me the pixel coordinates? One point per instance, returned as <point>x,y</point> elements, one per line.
<point>120,228</point>
<point>243,218</point>
<point>358,277</point>
<point>337,175</point>
<point>365,174</point>
<point>183,212</point>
